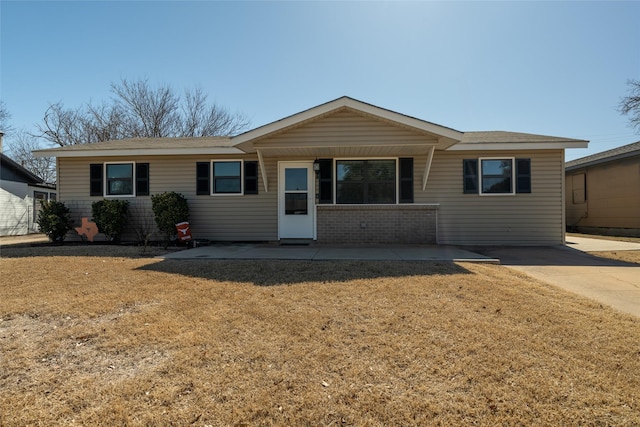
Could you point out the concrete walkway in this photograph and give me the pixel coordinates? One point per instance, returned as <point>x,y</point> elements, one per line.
<point>325,253</point>
<point>570,267</point>
<point>586,244</point>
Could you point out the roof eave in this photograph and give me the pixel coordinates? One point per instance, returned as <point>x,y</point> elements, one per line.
<point>496,146</point>
<point>138,152</point>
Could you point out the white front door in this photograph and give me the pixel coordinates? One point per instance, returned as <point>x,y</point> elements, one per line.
<point>296,197</point>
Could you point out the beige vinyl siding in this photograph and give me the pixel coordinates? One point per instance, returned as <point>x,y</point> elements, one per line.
<point>471,219</point>
<point>612,196</point>
<point>345,128</point>
<point>223,218</point>
<point>521,219</point>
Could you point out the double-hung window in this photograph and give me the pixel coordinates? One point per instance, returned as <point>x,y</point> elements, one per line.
<point>227,177</point>
<point>496,176</point>
<point>119,179</point>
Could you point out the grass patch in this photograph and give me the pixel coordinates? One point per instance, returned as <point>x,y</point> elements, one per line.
<point>603,237</point>
<point>96,338</point>
<point>626,256</point>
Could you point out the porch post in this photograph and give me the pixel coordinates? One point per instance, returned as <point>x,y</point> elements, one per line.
<point>427,167</point>
<point>263,171</point>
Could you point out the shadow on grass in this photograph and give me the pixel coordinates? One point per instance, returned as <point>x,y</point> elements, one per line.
<point>280,272</point>
<point>76,249</point>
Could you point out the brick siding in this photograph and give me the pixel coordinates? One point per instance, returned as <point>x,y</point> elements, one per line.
<point>415,224</point>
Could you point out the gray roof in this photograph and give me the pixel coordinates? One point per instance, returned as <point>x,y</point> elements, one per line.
<point>605,156</point>
<point>498,136</point>
<point>142,143</point>
<point>27,175</point>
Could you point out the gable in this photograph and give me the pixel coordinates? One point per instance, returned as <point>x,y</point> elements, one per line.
<point>346,132</point>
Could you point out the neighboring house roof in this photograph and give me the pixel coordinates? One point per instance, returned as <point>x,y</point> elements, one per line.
<point>12,171</point>
<point>442,137</point>
<point>625,151</point>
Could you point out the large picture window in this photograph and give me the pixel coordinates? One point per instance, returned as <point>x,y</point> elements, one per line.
<point>366,181</point>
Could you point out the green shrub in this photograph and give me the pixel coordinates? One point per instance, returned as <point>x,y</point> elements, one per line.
<point>54,220</point>
<point>169,209</point>
<point>111,216</point>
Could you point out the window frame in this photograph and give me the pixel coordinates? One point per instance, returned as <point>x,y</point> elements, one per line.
<point>105,180</point>
<point>481,176</point>
<point>396,180</point>
<point>212,188</point>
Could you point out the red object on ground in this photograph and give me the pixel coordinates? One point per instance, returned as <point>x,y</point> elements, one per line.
<point>184,232</point>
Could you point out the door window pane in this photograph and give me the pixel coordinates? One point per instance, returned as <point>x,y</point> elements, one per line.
<point>295,204</point>
<point>295,179</point>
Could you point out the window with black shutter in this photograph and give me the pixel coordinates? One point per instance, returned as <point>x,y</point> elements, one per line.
<point>203,184</point>
<point>523,175</point>
<point>470,176</point>
<point>406,180</point>
<point>325,178</point>
<point>142,179</point>
<point>251,177</point>
<point>95,179</point>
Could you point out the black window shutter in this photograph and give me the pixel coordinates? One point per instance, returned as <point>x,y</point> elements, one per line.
<point>251,177</point>
<point>325,178</point>
<point>95,179</point>
<point>470,176</point>
<point>142,179</point>
<point>406,180</point>
<point>203,177</point>
<point>523,175</point>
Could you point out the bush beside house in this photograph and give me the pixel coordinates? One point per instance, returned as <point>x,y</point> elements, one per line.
<point>169,209</point>
<point>54,220</point>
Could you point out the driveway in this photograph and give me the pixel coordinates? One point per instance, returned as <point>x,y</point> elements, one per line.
<point>570,267</point>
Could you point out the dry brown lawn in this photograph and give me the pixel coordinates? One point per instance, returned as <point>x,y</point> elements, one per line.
<point>626,256</point>
<point>602,237</point>
<point>99,335</point>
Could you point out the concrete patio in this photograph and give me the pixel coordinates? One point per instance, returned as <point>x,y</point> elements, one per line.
<point>326,253</point>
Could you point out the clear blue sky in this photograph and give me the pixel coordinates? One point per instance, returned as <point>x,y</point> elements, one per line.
<point>555,68</point>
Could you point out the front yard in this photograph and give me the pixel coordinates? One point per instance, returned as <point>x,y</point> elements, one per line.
<point>100,335</point>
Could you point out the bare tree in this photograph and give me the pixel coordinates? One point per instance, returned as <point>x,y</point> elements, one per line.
<point>148,112</point>
<point>138,110</point>
<point>201,119</point>
<point>20,148</point>
<point>5,117</point>
<point>630,104</point>
<point>65,127</point>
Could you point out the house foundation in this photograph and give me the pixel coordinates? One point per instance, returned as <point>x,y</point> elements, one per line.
<point>377,224</point>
